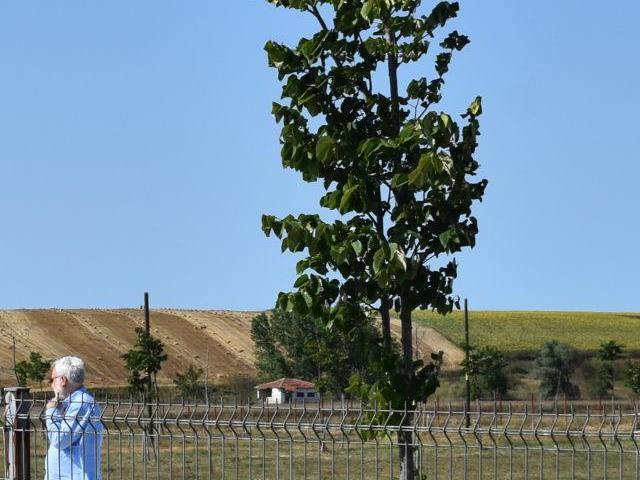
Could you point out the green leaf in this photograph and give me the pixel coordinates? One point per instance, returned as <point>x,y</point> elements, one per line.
<point>400,259</point>
<point>367,10</point>
<point>408,133</point>
<point>302,265</point>
<point>331,200</point>
<point>378,260</point>
<point>307,48</point>
<point>357,246</point>
<point>428,122</point>
<point>274,54</point>
<point>346,200</point>
<point>369,147</point>
<point>382,278</point>
<point>417,88</point>
<point>283,302</point>
<point>445,120</point>
<point>266,224</point>
<point>475,108</point>
<point>447,237</point>
<point>325,149</point>
<point>418,177</point>
<point>307,299</point>
<point>399,179</point>
<point>302,280</point>
<point>339,254</point>
<point>429,169</point>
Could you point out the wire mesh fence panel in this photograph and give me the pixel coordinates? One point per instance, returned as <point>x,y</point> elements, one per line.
<point>125,439</point>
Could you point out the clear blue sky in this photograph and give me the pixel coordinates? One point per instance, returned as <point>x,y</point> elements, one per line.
<point>137,152</point>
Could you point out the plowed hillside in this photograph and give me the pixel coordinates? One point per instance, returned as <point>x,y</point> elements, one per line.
<point>100,337</point>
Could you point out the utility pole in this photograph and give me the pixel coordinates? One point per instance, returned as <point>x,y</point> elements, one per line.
<point>15,371</point>
<point>147,327</point>
<point>150,382</point>
<point>467,400</point>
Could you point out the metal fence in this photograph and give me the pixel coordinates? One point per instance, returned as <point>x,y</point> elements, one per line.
<point>218,440</point>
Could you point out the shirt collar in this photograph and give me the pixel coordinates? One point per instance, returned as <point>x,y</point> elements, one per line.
<point>75,393</point>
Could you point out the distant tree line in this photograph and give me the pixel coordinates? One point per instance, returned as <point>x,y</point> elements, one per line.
<point>290,345</point>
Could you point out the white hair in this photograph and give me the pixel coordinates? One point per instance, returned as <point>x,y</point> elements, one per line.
<point>72,368</point>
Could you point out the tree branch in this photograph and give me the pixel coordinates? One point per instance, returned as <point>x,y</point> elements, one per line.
<point>314,11</point>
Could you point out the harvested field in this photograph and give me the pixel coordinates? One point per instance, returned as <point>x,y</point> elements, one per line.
<point>102,336</point>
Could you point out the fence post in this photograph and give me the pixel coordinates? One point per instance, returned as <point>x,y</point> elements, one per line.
<point>16,433</point>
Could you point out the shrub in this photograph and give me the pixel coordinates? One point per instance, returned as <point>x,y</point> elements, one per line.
<point>555,364</point>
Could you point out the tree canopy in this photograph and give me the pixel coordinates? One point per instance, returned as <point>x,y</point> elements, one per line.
<point>292,345</point>
<point>144,361</point>
<point>35,368</point>
<point>556,363</point>
<point>486,370</point>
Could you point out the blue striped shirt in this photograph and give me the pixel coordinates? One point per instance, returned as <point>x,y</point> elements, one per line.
<point>75,438</point>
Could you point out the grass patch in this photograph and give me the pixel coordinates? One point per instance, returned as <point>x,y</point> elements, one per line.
<point>525,332</point>
<point>214,457</point>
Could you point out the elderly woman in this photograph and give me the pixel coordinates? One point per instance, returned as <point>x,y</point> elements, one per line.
<point>73,425</point>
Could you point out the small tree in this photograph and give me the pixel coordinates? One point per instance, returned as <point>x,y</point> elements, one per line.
<point>555,364</point>
<point>144,361</point>
<point>486,370</point>
<point>21,370</point>
<point>632,377</point>
<point>241,386</point>
<point>35,369</point>
<point>38,368</point>
<point>602,369</point>
<point>189,383</point>
<point>610,351</point>
<point>599,373</point>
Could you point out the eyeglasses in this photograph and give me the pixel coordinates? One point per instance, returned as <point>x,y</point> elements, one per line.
<point>53,378</point>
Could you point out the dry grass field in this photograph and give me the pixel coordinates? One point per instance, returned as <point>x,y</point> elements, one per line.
<point>102,336</point>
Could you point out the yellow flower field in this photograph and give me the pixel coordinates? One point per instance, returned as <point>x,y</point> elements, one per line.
<point>518,331</point>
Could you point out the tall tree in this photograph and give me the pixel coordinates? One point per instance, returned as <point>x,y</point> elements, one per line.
<point>398,170</point>
<point>292,345</point>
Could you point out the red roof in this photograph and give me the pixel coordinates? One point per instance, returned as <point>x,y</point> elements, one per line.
<point>287,384</point>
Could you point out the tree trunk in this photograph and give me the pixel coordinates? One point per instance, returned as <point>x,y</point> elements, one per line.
<point>386,324</point>
<point>406,449</point>
<point>15,371</point>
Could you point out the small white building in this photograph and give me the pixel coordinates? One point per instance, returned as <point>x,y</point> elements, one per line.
<point>285,390</point>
